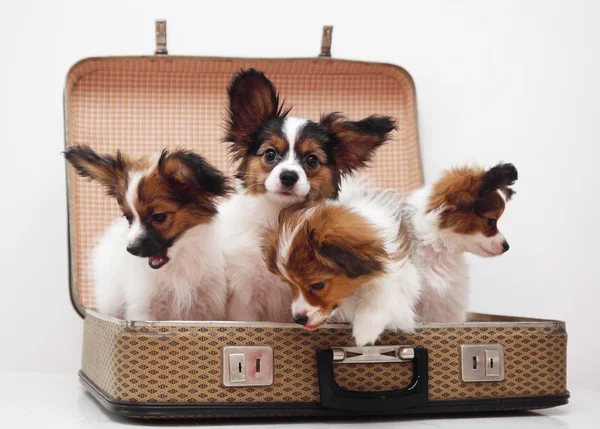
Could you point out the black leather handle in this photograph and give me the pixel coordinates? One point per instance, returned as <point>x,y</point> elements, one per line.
<point>333,396</point>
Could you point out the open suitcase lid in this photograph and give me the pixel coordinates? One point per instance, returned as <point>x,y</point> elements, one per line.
<point>143,104</point>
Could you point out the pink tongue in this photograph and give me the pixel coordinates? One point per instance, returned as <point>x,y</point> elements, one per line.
<point>158,261</point>
<point>310,328</point>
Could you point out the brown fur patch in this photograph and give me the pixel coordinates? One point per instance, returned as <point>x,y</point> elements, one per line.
<point>156,195</point>
<point>468,198</point>
<point>456,188</point>
<point>334,246</point>
<point>181,185</point>
<point>323,184</point>
<point>254,170</point>
<point>274,141</point>
<point>324,177</point>
<point>309,146</point>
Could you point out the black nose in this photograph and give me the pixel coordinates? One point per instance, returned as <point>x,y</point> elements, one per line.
<point>505,246</point>
<point>301,320</point>
<point>135,249</point>
<point>288,178</point>
<point>146,246</point>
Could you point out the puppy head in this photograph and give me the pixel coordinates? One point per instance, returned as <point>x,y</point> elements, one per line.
<point>471,200</point>
<point>292,159</point>
<point>161,196</point>
<point>325,253</point>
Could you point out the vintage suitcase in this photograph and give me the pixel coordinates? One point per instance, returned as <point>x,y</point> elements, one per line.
<point>228,369</point>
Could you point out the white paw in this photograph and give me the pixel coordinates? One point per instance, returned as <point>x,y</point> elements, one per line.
<point>406,324</point>
<point>365,333</point>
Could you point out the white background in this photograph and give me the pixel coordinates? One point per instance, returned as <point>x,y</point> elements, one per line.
<point>496,80</point>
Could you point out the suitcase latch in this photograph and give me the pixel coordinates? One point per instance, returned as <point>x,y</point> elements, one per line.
<point>247,366</point>
<point>375,354</point>
<point>482,362</point>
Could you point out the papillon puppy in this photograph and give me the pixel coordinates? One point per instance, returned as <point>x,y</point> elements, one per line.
<point>349,260</point>
<point>283,160</point>
<point>162,259</point>
<point>459,214</point>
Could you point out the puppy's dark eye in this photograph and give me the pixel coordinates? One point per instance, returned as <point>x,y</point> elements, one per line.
<point>317,286</point>
<point>128,217</point>
<point>270,155</point>
<point>491,222</point>
<point>159,217</point>
<point>312,161</point>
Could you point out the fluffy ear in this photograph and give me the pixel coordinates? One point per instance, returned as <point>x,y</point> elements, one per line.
<point>349,260</point>
<point>347,248</point>
<point>110,171</point>
<point>356,142</point>
<point>253,101</point>
<point>191,174</point>
<point>499,177</point>
<point>465,203</point>
<point>509,192</point>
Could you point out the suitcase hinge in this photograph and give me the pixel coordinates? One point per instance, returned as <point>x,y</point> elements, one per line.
<point>326,41</point>
<point>161,37</point>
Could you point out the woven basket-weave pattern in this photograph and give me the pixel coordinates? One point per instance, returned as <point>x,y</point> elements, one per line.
<point>182,364</point>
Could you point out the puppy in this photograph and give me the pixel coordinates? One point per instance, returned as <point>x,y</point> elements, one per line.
<point>282,161</point>
<point>349,261</point>
<point>161,260</point>
<point>459,214</point>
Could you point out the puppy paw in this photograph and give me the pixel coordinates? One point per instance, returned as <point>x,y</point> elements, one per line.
<point>365,334</point>
<point>406,324</point>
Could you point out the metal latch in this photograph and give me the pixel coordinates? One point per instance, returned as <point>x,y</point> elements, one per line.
<point>161,37</point>
<point>482,362</point>
<point>326,41</point>
<point>375,354</point>
<point>247,366</point>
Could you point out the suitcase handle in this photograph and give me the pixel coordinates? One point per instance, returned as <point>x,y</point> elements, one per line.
<point>335,397</point>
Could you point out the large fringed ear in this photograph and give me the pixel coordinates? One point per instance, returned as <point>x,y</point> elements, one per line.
<point>108,170</point>
<point>355,142</point>
<point>499,177</point>
<point>345,243</point>
<point>191,174</point>
<point>350,261</point>
<point>253,101</point>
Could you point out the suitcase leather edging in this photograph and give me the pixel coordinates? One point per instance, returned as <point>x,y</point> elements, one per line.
<point>258,410</point>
